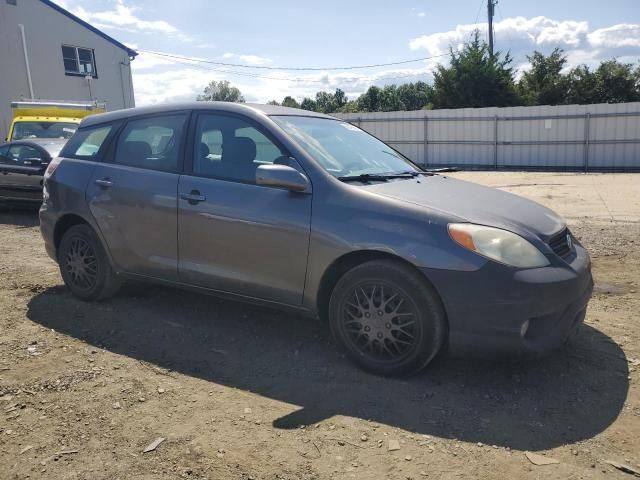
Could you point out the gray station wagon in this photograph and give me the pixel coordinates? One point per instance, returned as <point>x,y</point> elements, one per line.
<point>300,210</point>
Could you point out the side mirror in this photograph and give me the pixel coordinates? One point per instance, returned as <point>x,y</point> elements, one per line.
<point>281,176</point>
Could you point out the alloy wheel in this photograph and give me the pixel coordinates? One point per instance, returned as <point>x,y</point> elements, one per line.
<point>81,264</point>
<point>380,321</point>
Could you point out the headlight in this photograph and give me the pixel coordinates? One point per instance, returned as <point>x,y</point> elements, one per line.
<point>496,244</point>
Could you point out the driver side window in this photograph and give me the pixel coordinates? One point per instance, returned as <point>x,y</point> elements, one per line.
<point>152,143</point>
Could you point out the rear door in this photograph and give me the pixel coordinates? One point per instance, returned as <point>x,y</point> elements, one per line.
<point>21,170</point>
<point>133,195</point>
<point>236,236</point>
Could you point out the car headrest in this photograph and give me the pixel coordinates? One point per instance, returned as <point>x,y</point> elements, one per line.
<point>239,150</point>
<point>204,151</point>
<point>135,151</point>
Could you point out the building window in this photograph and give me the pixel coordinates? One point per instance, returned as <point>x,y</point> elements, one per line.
<point>78,61</point>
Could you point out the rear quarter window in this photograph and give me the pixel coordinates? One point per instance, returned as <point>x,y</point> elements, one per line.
<point>87,143</point>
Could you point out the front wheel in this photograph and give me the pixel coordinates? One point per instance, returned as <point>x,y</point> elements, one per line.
<point>387,317</point>
<point>84,265</point>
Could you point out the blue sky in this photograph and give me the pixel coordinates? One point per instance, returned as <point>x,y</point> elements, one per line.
<point>292,33</point>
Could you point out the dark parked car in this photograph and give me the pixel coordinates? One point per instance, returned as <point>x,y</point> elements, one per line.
<point>22,166</point>
<point>301,210</point>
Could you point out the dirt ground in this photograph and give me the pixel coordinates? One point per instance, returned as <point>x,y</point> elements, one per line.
<point>240,392</point>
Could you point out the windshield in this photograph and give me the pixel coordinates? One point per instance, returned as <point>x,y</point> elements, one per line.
<point>343,149</point>
<point>25,130</point>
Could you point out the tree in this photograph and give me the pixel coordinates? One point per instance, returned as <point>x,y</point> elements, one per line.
<point>544,83</point>
<point>415,96</point>
<point>339,100</point>
<point>290,102</point>
<point>324,102</point>
<point>220,91</point>
<point>616,82</point>
<point>308,104</point>
<point>370,100</point>
<point>582,86</point>
<point>475,78</point>
<point>273,102</point>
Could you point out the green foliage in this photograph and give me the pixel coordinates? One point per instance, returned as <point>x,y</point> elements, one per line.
<point>544,83</point>
<point>308,104</point>
<point>324,102</point>
<point>582,86</point>
<point>475,78</point>
<point>290,102</point>
<point>220,91</point>
<point>617,82</point>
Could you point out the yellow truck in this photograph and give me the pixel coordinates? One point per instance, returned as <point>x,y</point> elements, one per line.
<point>48,119</point>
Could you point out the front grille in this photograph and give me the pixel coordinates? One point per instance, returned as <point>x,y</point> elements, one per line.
<point>559,243</point>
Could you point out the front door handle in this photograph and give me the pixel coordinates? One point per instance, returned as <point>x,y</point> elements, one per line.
<point>193,198</point>
<point>104,182</point>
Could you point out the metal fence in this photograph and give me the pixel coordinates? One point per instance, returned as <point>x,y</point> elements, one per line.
<point>601,137</point>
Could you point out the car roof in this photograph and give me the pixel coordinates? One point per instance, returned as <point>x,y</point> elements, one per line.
<point>245,108</point>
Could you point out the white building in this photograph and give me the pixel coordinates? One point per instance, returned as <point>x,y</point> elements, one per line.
<point>48,53</point>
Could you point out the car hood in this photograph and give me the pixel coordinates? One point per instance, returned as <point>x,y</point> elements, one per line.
<point>474,203</point>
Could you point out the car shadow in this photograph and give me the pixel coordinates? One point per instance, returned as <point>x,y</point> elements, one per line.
<point>22,216</point>
<point>536,404</point>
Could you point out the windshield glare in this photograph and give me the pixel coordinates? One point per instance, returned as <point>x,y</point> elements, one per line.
<point>26,130</point>
<point>343,149</point>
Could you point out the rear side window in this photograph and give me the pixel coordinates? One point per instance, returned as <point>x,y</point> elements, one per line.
<point>152,143</point>
<point>86,142</point>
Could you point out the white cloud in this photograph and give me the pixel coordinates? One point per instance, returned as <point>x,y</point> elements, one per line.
<point>521,36</point>
<point>248,59</point>
<point>123,17</point>
<point>421,14</point>
<point>616,36</point>
<point>534,32</point>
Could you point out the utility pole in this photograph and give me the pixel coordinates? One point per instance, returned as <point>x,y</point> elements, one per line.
<point>490,10</point>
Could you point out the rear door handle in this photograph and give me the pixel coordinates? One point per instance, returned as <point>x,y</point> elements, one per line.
<point>104,182</point>
<point>193,198</point>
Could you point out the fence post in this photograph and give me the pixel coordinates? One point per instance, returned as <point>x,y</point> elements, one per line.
<point>587,134</point>
<point>426,140</point>
<point>495,142</point>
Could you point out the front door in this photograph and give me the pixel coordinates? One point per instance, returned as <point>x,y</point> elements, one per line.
<point>133,196</point>
<point>236,236</point>
<point>21,170</point>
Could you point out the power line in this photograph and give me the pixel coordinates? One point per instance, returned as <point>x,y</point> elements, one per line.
<point>299,69</point>
<point>255,75</point>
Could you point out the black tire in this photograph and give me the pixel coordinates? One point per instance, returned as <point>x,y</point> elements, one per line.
<point>85,266</point>
<point>380,333</point>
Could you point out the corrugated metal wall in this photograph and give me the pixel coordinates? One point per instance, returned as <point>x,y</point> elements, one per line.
<point>566,137</point>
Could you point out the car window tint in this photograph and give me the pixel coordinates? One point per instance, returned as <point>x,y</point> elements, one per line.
<point>152,143</point>
<point>86,142</point>
<point>4,151</point>
<point>231,148</point>
<point>19,154</point>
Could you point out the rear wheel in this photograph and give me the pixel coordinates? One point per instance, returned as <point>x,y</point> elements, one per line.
<point>84,265</point>
<point>387,317</point>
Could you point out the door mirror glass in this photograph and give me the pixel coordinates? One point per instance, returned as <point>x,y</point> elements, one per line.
<point>281,176</point>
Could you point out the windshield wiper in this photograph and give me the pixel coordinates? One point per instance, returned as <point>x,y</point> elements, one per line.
<point>364,177</point>
<point>415,173</point>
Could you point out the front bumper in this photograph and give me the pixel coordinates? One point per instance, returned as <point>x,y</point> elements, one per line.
<point>506,310</point>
